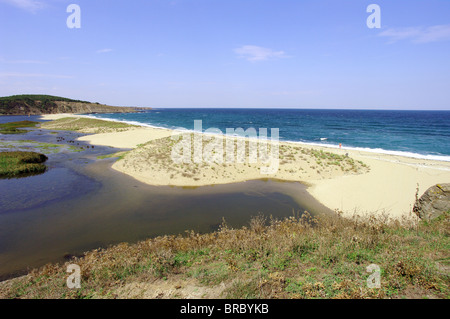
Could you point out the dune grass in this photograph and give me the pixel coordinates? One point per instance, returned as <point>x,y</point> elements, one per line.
<point>298,257</point>
<point>17,164</point>
<point>86,125</point>
<point>296,163</point>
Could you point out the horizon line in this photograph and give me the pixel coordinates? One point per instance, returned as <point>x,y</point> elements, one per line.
<point>290,108</point>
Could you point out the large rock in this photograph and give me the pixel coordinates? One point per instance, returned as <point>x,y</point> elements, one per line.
<point>434,202</point>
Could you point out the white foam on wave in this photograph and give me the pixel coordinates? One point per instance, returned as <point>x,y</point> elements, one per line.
<point>124,121</point>
<point>443,158</point>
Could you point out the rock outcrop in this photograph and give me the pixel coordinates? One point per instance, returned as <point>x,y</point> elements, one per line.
<point>434,202</point>
<point>78,107</point>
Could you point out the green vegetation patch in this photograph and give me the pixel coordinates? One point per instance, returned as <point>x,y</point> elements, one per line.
<point>18,164</point>
<point>13,127</point>
<point>118,155</point>
<point>28,145</point>
<point>31,104</point>
<point>36,97</point>
<point>49,148</point>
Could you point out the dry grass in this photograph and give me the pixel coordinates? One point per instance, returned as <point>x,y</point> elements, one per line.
<point>164,157</point>
<point>86,125</point>
<point>298,257</point>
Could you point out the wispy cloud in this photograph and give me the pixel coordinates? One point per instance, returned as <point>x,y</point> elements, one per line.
<point>28,5</point>
<point>34,75</point>
<point>104,51</point>
<point>255,53</point>
<point>418,34</point>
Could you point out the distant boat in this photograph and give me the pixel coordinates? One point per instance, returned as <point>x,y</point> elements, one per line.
<point>323,138</point>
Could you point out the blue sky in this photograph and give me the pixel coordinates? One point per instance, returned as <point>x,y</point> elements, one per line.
<point>230,53</point>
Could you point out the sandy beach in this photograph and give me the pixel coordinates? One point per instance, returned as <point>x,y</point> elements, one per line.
<point>353,181</point>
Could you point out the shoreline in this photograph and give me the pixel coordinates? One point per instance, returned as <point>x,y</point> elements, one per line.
<point>418,156</point>
<point>440,158</point>
<point>389,187</point>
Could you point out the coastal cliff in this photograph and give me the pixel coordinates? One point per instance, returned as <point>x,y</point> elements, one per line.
<point>47,104</point>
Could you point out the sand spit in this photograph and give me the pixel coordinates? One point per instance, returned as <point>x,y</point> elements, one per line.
<point>349,180</point>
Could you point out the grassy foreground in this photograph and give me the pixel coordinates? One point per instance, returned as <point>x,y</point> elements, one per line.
<point>299,257</point>
<point>16,164</point>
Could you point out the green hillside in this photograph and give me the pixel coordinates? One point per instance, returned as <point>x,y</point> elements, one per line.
<point>36,104</point>
<point>35,97</point>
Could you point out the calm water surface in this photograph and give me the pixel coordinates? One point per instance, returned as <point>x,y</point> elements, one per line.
<point>80,204</point>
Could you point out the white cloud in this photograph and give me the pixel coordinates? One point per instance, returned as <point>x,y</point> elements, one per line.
<point>104,51</point>
<point>255,53</point>
<point>28,5</point>
<point>418,34</point>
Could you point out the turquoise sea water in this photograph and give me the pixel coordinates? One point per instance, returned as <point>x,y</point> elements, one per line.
<point>419,134</point>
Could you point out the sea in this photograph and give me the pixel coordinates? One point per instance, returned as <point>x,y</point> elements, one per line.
<point>416,134</point>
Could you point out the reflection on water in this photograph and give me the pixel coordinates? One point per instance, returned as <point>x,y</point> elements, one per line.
<point>73,208</point>
<point>56,184</point>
